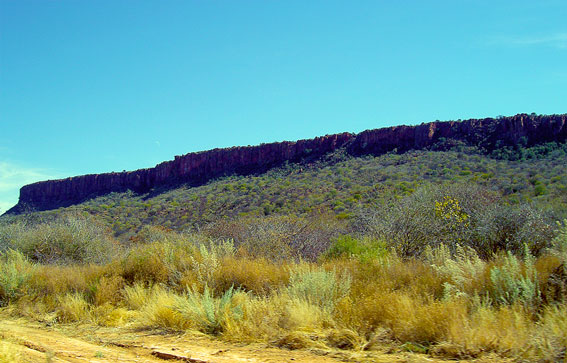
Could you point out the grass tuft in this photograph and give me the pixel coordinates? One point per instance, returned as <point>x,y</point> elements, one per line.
<point>73,308</point>
<point>159,311</point>
<point>207,313</point>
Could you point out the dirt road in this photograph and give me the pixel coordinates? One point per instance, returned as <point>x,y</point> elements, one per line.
<point>36,342</point>
<point>40,343</point>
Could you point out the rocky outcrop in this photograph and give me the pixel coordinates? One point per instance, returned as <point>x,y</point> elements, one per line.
<point>486,133</point>
<point>198,168</point>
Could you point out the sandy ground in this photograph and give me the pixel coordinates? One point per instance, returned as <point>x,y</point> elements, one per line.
<point>39,342</point>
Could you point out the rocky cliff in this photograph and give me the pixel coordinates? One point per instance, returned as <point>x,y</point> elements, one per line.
<point>198,168</point>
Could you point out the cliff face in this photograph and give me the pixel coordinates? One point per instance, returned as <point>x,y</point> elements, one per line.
<point>198,168</point>
<point>481,132</point>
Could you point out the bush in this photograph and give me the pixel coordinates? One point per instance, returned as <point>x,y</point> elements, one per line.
<point>15,271</point>
<point>512,284</point>
<point>9,232</point>
<point>209,314</point>
<point>280,237</point>
<point>431,216</point>
<point>68,239</point>
<point>364,249</point>
<point>317,286</point>
<point>510,228</point>
<point>455,215</point>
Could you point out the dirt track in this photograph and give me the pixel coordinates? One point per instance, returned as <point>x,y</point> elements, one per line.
<point>38,342</point>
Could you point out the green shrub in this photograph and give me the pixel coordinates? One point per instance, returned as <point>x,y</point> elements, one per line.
<point>512,284</point>
<point>463,269</point>
<point>559,244</point>
<point>206,265</point>
<point>317,286</point>
<point>68,239</point>
<point>364,249</point>
<point>207,313</point>
<point>431,216</point>
<point>15,271</point>
<point>510,228</point>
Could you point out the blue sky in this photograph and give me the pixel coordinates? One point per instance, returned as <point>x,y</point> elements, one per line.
<point>100,86</point>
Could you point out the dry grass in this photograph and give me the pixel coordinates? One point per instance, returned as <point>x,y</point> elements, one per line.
<point>108,290</point>
<point>446,304</point>
<point>109,315</point>
<point>136,296</point>
<point>53,280</point>
<point>73,307</point>
<point>9,353</point>
<point>258,276</point>
<point>550,340</point>
<point>147,263</point>
<point>159,311</point>
<point>260,319</point>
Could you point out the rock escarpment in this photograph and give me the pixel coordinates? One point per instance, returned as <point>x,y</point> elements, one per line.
<point>198,168</point>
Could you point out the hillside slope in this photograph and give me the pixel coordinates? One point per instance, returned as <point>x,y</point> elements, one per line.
<point>340,185</point>
<point>198,168</point>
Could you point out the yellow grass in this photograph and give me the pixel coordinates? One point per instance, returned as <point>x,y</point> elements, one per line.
<point>9,353</point>
<point>159,311</point>
<point>445,306</point>
<point>73,307</point>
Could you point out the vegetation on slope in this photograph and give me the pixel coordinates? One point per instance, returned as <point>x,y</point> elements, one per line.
<point>342,185</point>
<point>451,253</point>
<point>358,295</point>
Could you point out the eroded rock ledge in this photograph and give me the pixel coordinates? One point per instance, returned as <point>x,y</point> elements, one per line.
<point>197,168</point>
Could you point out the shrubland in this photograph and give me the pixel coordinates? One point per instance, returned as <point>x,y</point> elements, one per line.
<point>455,271</point>
<point>340,185</point>
<point>453,252</point>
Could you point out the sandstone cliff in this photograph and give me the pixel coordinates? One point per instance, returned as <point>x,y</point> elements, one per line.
<point>198,168</point>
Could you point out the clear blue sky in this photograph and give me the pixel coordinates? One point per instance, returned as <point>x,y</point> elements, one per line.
<point>100,86</point>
